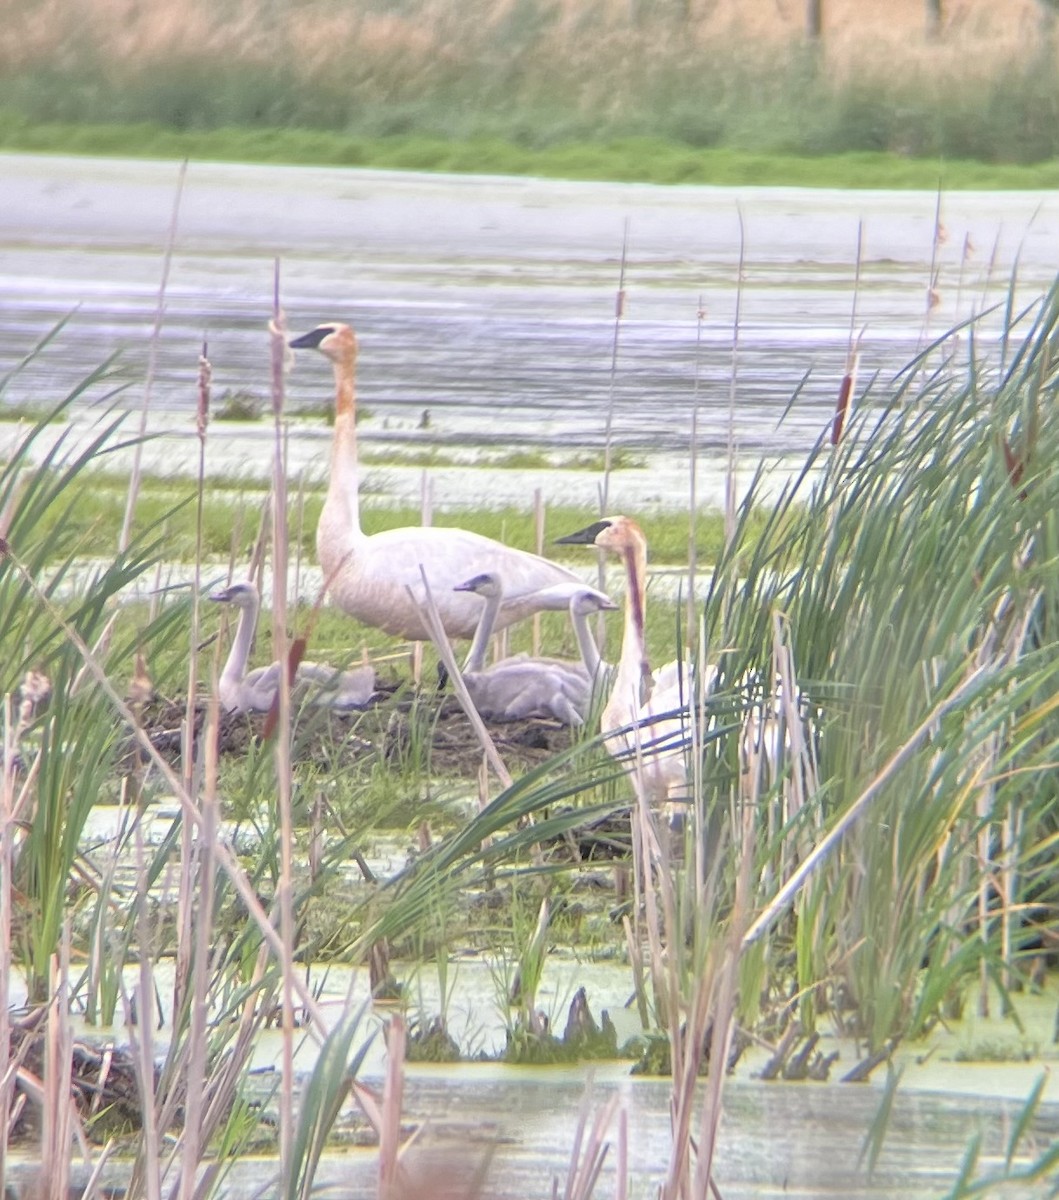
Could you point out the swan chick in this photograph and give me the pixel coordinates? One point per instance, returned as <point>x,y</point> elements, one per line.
<point>522,686</point>
<point>241,690</point>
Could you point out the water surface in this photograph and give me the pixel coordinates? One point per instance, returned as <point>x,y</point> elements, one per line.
<point>490,301</point>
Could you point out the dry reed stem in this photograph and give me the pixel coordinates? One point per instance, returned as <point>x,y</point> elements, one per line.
<point>186,901</point>
<point>608,443</point>
<point>428,609</point>
<point>389,1115</point>
<point>226,860</point>
<point>730,480</point>
<point>147,1173</point>
<point>723,1008</point>
<point>152,363</point>
<point>621,1188</point>
<point>585,1168</point>
<point>849,380</point>
<point>282,734</point>
<point>7,862</point>
<point>693,466</point>
<point>193,1140</point>
<point>538,546</point>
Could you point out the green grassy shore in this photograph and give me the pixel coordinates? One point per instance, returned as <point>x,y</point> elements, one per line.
<point>631,159</point>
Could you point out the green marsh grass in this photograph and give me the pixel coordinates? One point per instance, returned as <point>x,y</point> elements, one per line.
<point>91,501</point>
<point>900,603</point>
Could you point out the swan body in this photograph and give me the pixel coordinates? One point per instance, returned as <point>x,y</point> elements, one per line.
<point>647,716</point>
<point>377,579</point>
<point>521,687</point>
<point>241,690</point>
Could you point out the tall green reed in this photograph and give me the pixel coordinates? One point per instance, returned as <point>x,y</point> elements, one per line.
<point>910,558</point>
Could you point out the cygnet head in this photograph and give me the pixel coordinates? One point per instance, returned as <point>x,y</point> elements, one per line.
<point>609,533</point>
<point>487,584</point>
<point>333,339</point>
<point>586,601</point>
<point>242,595</point>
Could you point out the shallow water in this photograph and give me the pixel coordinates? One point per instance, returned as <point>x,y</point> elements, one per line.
<point>490,301</point>
<point>790,1139</point>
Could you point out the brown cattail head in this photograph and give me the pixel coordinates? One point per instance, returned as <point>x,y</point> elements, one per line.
<point>841,407</point>
<point>202,413</point>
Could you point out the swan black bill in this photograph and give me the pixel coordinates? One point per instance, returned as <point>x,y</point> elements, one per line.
<point>584,537</point>
<point>472,585</point>
<point>312,339</point>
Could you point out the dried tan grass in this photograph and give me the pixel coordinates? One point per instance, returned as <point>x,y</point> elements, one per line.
<point>976,34</point>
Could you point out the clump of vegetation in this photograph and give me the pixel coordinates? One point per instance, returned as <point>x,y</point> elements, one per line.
<point>30,413</point>
<point>664,93</point>
<point>997,1050</point>
<point>238,405</point>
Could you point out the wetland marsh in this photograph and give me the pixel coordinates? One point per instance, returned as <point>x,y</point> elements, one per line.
<point>900,583</point>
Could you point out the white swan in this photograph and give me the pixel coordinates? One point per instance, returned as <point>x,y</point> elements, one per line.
<point>370,577</point>
<point>656,707</point>
<point>254,691</point>
<point>522,686</point>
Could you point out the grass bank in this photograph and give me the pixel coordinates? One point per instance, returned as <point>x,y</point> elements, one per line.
<point>631,159</point>
<point>665,93</point>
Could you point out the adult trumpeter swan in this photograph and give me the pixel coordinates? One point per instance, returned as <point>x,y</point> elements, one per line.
<point>254,691</point>
<point>651,711</point>
<point>522,686</point>
<point>371,577</point>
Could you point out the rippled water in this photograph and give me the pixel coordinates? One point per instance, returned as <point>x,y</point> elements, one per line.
<point>491,301</point>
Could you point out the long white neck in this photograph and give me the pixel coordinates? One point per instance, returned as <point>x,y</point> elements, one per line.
<point>338,532</point>
<point>345,472</point>
<point>476,655</point>
<point>590,655</point>
<point>634,672</point>
<point>239,655</point>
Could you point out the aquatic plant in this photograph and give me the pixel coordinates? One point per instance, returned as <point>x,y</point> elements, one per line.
<point>869,834</point>
<point>660,89</point>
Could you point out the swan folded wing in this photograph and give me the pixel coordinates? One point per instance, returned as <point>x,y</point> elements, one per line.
<point>254,692</point>
<point>337,689</point>
<point>388,567</point>
<point>516,689</point>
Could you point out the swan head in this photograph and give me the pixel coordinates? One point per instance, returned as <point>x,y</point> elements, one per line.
<point>333,339</point>
<point>609,533</point>
<point>488,584</point>
<point>242,595</point>
<point>586,601</point>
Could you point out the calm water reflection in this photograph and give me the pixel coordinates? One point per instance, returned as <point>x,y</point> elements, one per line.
<point>491,301</point>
